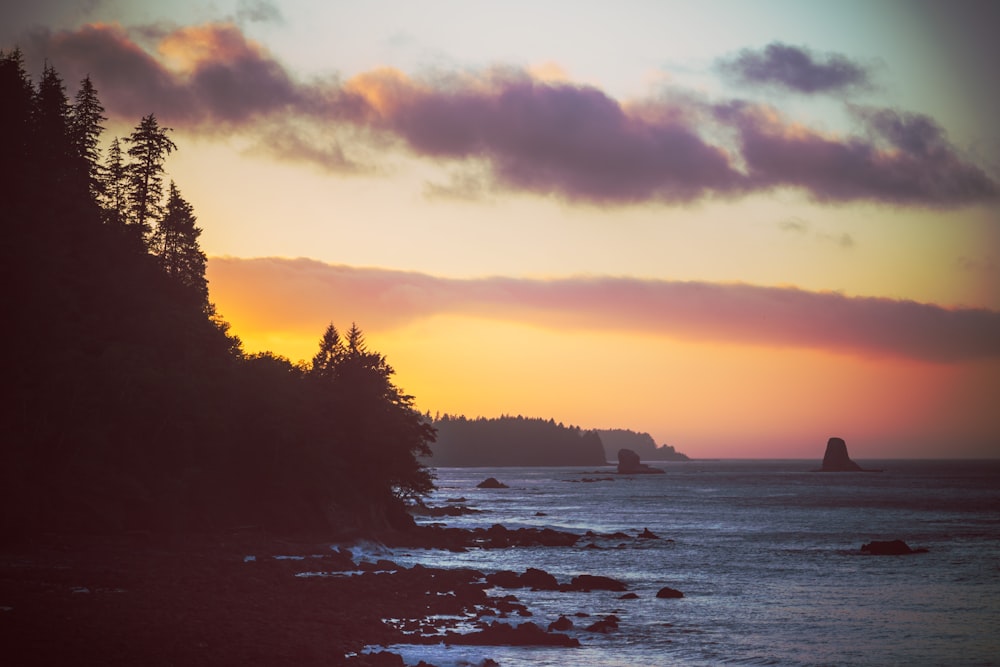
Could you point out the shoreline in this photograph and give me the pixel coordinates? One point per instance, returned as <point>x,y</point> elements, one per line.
<point>236,598</point>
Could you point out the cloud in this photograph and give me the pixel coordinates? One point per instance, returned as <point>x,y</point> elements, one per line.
<point>258,11</point>
<point>304,293</point>
<point>797,69</point>
<point>203,77</point>
<point>905,159</point>
<point>514,131</point>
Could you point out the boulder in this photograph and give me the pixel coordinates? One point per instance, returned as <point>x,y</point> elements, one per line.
<point>667,592</point>
<point>607,624</point>
<point>491,483</point>
<point>629,464</point>
<point>561,624</point>
<point>590,582</point>
<point>539,580</point>
<point>889,548</point>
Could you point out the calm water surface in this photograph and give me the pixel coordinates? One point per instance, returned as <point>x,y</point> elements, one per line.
<point>766,553</point>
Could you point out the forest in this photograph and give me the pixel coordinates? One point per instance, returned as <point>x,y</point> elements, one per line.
<point>514,441</point>
<point>131,405</point>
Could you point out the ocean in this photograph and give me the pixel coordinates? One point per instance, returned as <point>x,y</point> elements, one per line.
<point>767,554</point>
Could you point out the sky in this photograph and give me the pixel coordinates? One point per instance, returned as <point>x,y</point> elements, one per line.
<point>741,227</point>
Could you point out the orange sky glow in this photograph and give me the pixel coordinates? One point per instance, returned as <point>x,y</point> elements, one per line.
<point>741,236</point>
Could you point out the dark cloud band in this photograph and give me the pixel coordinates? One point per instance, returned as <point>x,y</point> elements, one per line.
<point>797,69</point>
<point>572,142</point>
<point>297,291</point>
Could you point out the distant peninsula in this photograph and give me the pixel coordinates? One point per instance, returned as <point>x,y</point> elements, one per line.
<point>640,443</point>
<point>513,441</point>
<point>526,441</point>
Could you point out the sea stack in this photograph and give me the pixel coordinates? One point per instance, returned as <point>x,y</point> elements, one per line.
<point>629,464</point>
<point>836,459</point>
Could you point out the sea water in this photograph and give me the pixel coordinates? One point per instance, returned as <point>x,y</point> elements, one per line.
<point>767,554</point>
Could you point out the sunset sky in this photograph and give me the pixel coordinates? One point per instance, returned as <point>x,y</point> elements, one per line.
<point>743,227</point>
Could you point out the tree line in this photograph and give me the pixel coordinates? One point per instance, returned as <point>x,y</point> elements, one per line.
<point>133,405</point>
<point>514,441</point>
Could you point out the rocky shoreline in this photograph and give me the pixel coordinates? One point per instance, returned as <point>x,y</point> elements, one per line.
<point>250,598</point>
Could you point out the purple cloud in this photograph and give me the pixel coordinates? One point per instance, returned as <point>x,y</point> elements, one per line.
<point>905,160</point>
<point>306,293</point>
<point>795,68</point>
<point>504,130</point>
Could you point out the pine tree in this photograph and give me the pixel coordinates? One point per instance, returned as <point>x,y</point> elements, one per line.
<point>114,186</point>
<point>331,351</point>
<point>149,147</point>
<point>54,148</point>
<point>175,243</point>
<point>85,133</point>
<point>16,112</point>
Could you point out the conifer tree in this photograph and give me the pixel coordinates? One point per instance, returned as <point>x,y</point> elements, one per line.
<point>54,149</point>
<point>148,149</point>
<point>114,186</point>
<point>85,133</point>
<point>175,242</point>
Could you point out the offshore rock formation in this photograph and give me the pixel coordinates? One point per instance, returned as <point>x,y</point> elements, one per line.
<point>629,464</point>
<point>889,548</point>
<point>836,459</point>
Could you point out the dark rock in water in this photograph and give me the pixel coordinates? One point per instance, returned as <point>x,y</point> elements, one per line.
<point>629,596</point>
<point>889,548</point>
<point>539,580</point>
<point>504,579</point>
<point>561,624</point>
<point>836,459</point>
<point>629,464</point>
<point>647,534</point>
<point>501,634</point>
<point>590,582</point>
<point>491,483</point>
<point>605,625</point>
<point>667,592</point>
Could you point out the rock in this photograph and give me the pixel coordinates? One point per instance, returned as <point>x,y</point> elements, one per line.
<point>629,596</point>
<point>629,464</point>
<point>561,624</point>
<point>502,634</point>
<point>539,580</point>
<point>590,582</point>
<point>889,548</point>
<point>835,459</point>
<point>647,534</point>
<point>605,625</point>
<point>491,483</point>
<point>667,592</point>
<point>504,579</point>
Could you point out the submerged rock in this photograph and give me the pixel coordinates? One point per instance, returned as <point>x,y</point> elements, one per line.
<point>889,548</point>
<point>629,464</point>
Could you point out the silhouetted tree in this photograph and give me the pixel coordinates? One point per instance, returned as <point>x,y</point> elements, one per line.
<point>148,148</point>
<point>85,133</point>
<point>366,411</point>
<point>114,187</point>
<point>175,242</point>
